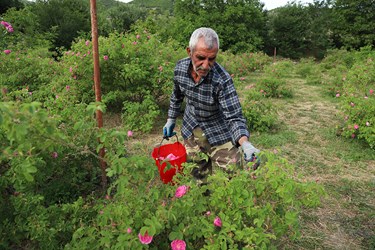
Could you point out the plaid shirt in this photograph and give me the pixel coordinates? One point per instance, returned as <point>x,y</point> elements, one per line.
<point>212,104</point>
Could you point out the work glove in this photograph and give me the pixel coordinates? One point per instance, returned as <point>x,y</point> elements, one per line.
<point>250,154</point>
<point>168,128</point>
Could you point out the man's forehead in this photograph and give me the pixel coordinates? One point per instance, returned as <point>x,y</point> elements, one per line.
<point>205,51</point>
<point>203,45</point>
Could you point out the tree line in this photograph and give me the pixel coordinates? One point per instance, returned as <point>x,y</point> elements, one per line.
<point>295,30</point>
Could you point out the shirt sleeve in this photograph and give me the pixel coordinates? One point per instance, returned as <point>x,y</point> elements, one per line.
<point>176,100</point>
<point>232,111</point>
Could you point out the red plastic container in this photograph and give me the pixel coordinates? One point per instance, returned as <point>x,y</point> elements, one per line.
<point>160,153</point>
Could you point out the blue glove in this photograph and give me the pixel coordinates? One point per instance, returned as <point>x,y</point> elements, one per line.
<point>168,128</point>
<point>250,152</point>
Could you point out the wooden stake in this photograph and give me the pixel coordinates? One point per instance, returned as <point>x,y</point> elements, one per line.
<point>274,55</point>
<point>98,96</point>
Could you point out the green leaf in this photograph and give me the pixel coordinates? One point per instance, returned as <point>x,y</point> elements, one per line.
<point>31,169</point>
<point>28,177</point>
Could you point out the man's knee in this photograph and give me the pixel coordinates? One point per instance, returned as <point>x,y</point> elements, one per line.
<point>225,155</point>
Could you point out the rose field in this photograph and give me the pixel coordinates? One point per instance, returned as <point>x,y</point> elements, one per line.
<point>314,122</point>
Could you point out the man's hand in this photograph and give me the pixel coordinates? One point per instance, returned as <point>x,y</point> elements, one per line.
<point>249,151</point>
<point>168,128</point>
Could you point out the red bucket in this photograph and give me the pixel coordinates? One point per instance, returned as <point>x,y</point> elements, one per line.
<point>160,156</point>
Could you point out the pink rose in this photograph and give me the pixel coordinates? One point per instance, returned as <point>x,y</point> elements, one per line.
<point>130,133</point>
<point>181,191</point>
<point>54,155</point>
<point>367,124</point>
<point>138,36</point>
<point>178,245</point>
<point>352,104</point>
<point>7,51</point>
<point>145,239</point>
<point>371,91</point>
<point>67,87</point>
<point>87,43</point>
<point>217,221</point>
<point>356,126</point>
<point>337,95</point>
<point>105,58</point>
<point>129,230</point>
<point>10,29</point>
<point>7,26</point>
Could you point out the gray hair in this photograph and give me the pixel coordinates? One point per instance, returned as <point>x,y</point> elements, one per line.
<point>211,38</point>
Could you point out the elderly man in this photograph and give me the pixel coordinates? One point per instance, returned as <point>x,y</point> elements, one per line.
<point>213,126</point>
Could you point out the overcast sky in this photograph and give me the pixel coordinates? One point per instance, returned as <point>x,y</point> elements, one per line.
<point>269,4</point>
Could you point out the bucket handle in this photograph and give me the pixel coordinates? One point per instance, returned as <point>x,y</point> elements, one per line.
<point>165,138</point>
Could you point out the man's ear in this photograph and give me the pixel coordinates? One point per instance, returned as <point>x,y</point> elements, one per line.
<point>188,51</point>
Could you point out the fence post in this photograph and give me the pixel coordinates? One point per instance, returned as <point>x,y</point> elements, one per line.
<point>98,97</point>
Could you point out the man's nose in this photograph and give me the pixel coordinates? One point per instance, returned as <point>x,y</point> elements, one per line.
<point>206,64</point>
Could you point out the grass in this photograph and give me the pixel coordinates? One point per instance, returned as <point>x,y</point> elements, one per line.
<point>346,168</point>
<point>306,137</point>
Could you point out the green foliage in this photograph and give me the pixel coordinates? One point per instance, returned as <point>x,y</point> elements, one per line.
<point>352,29</point>
<point>274,87</point>
<point>255,208</point>
<point>140,116</point>
<point>20,128</point>
<point>161,5</point>
<point>132,66</point>
<point>6,5</point>
<point>336,58</point>
<point>279,69</point>
<point>242,64</point>
<point>288,30</point>
<point>119,18</point>
<point>42,227</point>
<point>238,23</point>
<point>273,84</point>
<point>306,67</point>
<point>29,70</point>
<point>358,102</point>
<point>350,77</point>
<point>259,111</point>
<point>47,163</point>
<point>298,31</point>
<point>66,19</point>
<point>27,32</point>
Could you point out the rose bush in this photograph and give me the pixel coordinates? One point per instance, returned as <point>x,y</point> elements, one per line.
<point>349,77</point>
<point>243,211</point>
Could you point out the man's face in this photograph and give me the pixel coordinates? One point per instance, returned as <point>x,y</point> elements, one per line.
<point>202,58</point>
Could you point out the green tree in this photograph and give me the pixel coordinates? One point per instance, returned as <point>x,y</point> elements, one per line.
<point>240,24</point>
<point>289,30</point>
<point>65,18</point>
<point>354,23</point>
<point>160,5</point>
<point>7,4</point>
<point>119,18</point>
<point>27,32</point>
<point>319,20</point>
